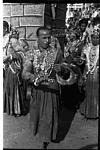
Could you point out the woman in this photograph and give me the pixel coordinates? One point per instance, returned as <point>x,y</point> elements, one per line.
<point>13,87</point>
<point>6,35</point>
<point>6,56</point>
<point>89,107</point>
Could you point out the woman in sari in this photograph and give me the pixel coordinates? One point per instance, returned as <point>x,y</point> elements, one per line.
<point>13,85</point>
<point>89,107</point>
<point>6,35</point>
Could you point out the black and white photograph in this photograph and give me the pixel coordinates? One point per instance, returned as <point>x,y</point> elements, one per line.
<point>50,75</point>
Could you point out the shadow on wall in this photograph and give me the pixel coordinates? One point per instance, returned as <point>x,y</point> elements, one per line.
<point>92,146</point>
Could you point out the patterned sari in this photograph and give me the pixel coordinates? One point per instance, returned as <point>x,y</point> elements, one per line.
<point>13,93</point>
<point>90,106</point>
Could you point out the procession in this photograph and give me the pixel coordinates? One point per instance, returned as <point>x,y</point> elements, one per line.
<point>51,75</point>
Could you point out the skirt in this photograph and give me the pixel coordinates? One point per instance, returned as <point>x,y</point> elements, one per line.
<point>44,108</point>
<point>90,106</point>
<point>13,94</point>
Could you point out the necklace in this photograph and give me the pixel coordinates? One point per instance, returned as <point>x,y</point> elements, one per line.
<point>43,63</point>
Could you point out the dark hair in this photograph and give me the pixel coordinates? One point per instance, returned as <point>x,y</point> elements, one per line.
<point>42,28</point>
<point>6,25</point>
<point>84,20</point>
<point>96,20</point>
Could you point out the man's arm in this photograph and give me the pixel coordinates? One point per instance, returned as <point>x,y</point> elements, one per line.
<point>27,73</point>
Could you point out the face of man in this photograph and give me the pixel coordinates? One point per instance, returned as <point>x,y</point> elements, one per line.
<point>95,40</point>
<point>83,27</point>
<point>44,38</point>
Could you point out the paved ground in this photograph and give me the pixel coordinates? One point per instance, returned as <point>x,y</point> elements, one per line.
<point>75,133</point>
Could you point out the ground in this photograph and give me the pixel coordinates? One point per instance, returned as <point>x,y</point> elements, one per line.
<point>75,132</point>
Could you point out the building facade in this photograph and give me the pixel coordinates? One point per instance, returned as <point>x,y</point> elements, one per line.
<point>26,17</point>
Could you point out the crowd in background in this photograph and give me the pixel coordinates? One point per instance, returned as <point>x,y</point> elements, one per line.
<point>14,93</point>
<point>83,27</point>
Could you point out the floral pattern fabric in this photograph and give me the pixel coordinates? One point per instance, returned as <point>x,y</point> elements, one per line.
<point>92,54</point>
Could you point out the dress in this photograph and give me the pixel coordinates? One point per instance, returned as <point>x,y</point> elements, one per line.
<point>5,45</point>
<point>13,97</point>
<point>44,104</point>
<point>89,107</point>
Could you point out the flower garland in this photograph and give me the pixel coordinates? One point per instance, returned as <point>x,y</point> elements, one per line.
<point>43,63</point>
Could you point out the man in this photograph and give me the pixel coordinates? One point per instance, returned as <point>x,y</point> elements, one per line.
<point>40,68</point>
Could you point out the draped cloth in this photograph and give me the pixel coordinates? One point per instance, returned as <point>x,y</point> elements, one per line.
<point>13,91</point>
<point>90,106</point>
<point>44,103</point>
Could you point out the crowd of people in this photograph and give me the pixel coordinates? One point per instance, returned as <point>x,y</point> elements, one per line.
<point>69,79</point>
<point>85,31</point>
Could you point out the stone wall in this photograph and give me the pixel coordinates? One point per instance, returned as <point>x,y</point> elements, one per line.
<point>26,17</point>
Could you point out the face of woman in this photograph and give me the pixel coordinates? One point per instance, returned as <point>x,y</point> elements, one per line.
<point>95,39</point>
<point>14,42</point>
